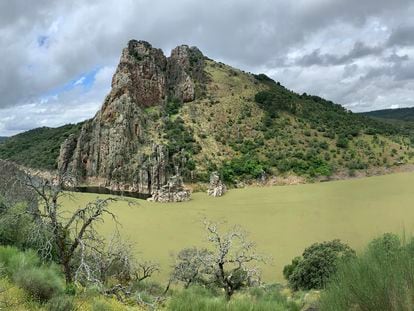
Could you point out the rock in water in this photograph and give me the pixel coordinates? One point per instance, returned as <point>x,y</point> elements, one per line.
<point>217,188</point>
<point>173,191</point>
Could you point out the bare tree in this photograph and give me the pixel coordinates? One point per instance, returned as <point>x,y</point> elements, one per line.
<point>114,261</point>
<point>231,263</point>
<point>71,233</point>
<point>234,258</point>
<point>192,266</point>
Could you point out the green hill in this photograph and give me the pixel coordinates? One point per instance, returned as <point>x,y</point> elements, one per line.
<point>37,148</point>
<point>403,114</point>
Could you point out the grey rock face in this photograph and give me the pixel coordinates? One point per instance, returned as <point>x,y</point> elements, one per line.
<point>185,72</point>
<point>66,152</point>
<point>173,191</point>
<point>216,188</point>
<point>118,147</point>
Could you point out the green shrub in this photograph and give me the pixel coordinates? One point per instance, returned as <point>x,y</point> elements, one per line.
<point>42,283</point>
<point>248,167</point>
<point>342,142</point>
<point>60,303</point>
<point>381,278</point>
<point>13,260</point>
<point>318,263</point>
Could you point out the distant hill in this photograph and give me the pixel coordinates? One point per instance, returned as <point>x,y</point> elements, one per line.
<point>2,139</point>
<point>403,114</point>
<point>37,148</point>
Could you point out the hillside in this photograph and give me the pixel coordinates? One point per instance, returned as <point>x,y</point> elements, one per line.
<point>403,114</point>
<point>2,139</point>
<point>37,148</point>
<point>190,115</point>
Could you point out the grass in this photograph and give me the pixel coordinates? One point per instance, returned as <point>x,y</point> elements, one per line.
<point>282,220</point>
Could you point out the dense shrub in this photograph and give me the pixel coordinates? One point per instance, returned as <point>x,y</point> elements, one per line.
<point>381,278</point>
<point>317,264</point>
<point>247,167</point>
<point>342,142</point>
<point>173,106</point>
<point>40,282</point>
<point>61,303</point>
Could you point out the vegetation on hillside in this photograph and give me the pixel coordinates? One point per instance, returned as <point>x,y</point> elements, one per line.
<point>38,148</point>
<point>250,127</point>
<point>403,114</point>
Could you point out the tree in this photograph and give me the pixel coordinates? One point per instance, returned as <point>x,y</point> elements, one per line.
<point>192,266</point>
<point>317,264</point>
<point>72,234</point>
<point>230,264</point>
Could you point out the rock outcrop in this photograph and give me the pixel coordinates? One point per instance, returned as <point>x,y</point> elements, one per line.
<point>122,146</point>
<point>173,191</point>
<point>216,188</point>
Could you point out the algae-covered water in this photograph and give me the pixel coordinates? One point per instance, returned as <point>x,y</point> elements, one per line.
<point>281,220</point>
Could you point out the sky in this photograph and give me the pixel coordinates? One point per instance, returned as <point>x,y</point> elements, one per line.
<point>58,57</point>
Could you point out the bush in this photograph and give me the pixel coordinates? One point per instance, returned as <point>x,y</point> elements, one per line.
<point>60,303</point>
<point>13,260</point>
<point>42,283</point>
<point>342,142</point>
<point>247,167</point>
<point>382,278</point>
<point>318,263</point>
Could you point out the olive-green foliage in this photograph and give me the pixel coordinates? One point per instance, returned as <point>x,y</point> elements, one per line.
<point>173,106</point>
<point>40,281</point>
<point>180,137</point>
<point>37,148</point>
<point>61,303</point>
<point>203,299</point>
<point>317,264</point>
<point>381,278</point>
<point>248,167</point>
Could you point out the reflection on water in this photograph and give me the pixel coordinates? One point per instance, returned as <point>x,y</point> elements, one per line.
<point>103,190</point>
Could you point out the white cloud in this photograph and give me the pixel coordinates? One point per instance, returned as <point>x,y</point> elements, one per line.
<point>264,35</point>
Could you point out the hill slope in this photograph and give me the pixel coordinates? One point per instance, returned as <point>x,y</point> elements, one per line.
<point>37,148</point>
<point>190,115</point>
<point>403,114</point>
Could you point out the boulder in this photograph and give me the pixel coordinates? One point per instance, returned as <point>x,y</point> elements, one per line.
<point>216,188</point>
<point>173,191</point>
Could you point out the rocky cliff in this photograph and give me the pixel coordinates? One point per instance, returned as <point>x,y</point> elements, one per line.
<point>123,146</point>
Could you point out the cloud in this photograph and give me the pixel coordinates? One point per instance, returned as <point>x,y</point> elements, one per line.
<point>330,48</point>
